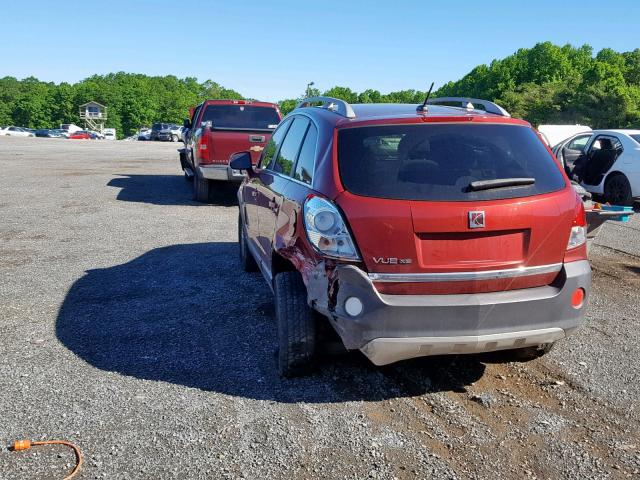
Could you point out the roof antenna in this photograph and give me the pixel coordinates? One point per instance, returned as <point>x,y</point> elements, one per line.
<point>423,108</point>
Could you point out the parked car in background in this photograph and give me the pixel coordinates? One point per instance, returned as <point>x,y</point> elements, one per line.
<point>554,134</point>
<point>156,128</point>
<point>144,134</point>
<point>217,129</point>
<point>16,132</point>
<point>42,132</point>
<point>413,231</point>
<point>110,133</point>
<point>172,133</point>
<point>82,135</point>
<point>70,128</point>
<point>605,162</point>
<point>56,133</point>
<point>50,133</point>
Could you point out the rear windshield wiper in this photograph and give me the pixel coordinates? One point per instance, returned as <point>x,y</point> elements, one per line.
<point>499,183</point>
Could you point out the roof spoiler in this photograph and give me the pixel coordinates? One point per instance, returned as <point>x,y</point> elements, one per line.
<point>470,104</point>
<point>334,105</point>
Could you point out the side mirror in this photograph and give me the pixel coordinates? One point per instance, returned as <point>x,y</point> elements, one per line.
<point>241,161</point>
<point>186,123</point>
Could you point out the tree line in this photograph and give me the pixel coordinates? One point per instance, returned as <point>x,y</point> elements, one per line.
<point>543,84</point>
<point>132,100</point>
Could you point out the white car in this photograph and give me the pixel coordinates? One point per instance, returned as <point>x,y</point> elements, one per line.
<point>16,132</point>
<point>606,162</point>
<point>110,133</point>
<point>144,134</point>
<point>554,134</point>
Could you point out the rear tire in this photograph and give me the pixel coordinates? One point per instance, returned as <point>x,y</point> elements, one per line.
<point>617,190</point>
<point>247,261</point>
<point>201,188</point>
<point>296,325</point>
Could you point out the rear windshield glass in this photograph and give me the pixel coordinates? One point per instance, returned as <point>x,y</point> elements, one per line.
<point>241,117</point>
<point>636,138</point>
<point>439,162</point>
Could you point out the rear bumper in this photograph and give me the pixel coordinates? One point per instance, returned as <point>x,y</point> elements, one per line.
<point>397,327</point>
<point>220,172</point>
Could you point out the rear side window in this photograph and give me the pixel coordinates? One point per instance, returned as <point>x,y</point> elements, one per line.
<point>604,142</point>
<point>290,146</point>
<point>241,117</point>
<point>636,138</point>
<point>438,162</point>
<point>304,167</point>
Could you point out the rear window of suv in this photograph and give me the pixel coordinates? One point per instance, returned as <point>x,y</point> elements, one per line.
<point>438,162</point>
<point>241,117</point>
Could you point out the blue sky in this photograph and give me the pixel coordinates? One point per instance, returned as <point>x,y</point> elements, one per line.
<point>271,49</point>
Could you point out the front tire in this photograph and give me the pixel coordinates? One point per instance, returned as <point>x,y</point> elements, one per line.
<point>296,325</point>
<point>201,188</point>
<point>174,138</point>
<point>247,261</point>
<point>617,190</point>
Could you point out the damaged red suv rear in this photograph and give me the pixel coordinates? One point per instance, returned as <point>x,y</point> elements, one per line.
<point>413,230</point>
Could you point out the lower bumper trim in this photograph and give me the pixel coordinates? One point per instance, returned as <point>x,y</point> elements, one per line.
<point>382,351</point>
<point>220,172</point>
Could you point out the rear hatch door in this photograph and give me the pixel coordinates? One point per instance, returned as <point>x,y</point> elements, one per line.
<point>413,213</point>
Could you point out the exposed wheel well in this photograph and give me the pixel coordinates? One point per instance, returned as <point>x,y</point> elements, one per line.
<point>280,264</point>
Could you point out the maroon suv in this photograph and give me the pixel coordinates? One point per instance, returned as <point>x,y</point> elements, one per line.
<point>216,129</point>
<point>413,230</point>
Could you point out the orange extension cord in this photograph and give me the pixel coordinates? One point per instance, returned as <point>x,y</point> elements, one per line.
<point>27,444</point>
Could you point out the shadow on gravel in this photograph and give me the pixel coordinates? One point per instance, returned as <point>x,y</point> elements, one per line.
<point>186,314</point>
<point>167,190</point>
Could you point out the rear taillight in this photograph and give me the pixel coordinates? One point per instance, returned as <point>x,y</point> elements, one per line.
<point>204,149</point>
<point>327,231</point>
<point>578,235</point>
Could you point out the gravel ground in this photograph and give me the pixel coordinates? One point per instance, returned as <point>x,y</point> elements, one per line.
<point>129,329</point>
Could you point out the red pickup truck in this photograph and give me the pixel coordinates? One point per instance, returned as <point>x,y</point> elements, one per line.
<point>218,128</point>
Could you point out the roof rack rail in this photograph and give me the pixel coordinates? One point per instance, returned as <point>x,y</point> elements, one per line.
<point>470,103</point>
<point>332,104</point>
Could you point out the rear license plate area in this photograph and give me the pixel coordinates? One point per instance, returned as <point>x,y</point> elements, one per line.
<point>459,248</point>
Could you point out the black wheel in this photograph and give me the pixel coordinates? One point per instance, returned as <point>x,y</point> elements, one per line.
<point>246,258</point>
<point>174,138</point>
<point>617,190</point>
<point>296,325</point>
<point>201,187</point>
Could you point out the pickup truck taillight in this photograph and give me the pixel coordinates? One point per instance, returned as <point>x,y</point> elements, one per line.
<point>204,149</point>
<point>577,244</point>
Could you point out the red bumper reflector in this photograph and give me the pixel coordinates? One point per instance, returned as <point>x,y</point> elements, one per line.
<point>577,299</point>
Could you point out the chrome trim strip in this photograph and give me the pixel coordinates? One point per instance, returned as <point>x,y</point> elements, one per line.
<point>465,276</point>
